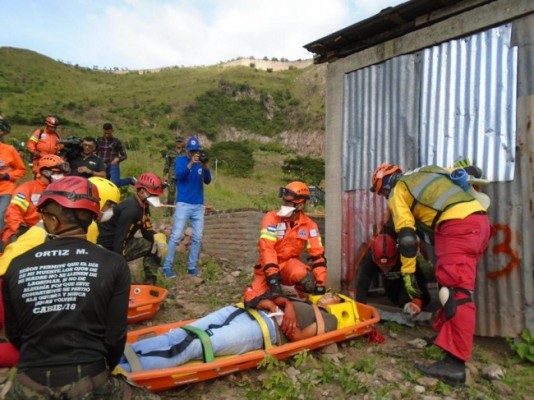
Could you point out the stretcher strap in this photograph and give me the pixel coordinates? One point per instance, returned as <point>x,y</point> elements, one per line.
<point>207,350</point>
<point>132,358</point>
<point>263,326</point>
<point>319,320</point>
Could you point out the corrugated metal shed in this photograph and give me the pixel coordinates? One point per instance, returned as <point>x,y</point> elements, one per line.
<point>460,91</point>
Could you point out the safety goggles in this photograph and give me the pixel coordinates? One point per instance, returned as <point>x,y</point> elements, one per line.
<point>289,195</point>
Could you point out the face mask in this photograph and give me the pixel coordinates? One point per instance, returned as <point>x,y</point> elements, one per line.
<point>106,215</point>
<point>285,211</point>
<point>154,201</point>
<point>56,177</point>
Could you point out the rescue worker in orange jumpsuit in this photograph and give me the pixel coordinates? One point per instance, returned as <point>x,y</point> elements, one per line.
<point>11,168</point>
<point>453,216</point>
<point>44,141</point>
<point>22,211</point>
<point>285,233</point>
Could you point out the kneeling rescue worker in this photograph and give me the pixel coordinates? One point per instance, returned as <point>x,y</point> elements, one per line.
<point>284,235</point>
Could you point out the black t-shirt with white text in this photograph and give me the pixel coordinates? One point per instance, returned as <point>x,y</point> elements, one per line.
<point>66,302</point>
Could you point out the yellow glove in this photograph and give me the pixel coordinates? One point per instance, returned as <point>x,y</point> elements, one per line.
<point>160,245</point>
<point>462,162</point>
<point>411,286</point>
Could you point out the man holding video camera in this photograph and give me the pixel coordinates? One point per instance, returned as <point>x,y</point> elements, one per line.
<point>192,172</point>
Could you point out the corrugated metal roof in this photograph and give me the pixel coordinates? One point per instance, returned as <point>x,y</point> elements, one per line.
<point>390,23</point>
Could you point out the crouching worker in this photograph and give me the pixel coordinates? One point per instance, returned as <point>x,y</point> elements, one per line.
<point>129,217</point>
<point>231,331</point>
<point>66,303</point>
<point>284,235</point>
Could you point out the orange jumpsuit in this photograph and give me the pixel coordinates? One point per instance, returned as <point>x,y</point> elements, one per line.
<point>11,164</point>
<point>23,207</point>
<point>45,142</point>
<point>281,244</point>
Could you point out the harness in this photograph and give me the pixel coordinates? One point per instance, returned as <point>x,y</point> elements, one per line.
<point>439,197</point>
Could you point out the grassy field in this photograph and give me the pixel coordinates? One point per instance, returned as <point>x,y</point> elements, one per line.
<point>148,109</point>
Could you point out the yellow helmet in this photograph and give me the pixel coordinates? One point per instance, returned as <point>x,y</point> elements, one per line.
<point>107,190</point>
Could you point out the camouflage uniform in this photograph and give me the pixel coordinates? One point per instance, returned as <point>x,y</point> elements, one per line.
<point>168,169</point>
<point>115,387</point>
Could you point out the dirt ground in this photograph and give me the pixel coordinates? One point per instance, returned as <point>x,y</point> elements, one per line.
<point>357,369</point>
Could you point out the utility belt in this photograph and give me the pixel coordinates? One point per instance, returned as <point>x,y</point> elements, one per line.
<point>88,376</point>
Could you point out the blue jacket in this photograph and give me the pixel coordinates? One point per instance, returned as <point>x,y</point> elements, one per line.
<point>190,182</point>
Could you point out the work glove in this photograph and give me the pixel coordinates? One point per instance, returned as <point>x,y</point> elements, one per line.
<point>411,286</point>
<point>159,247</point>
<point>462,163</point>
<point>274,283</point>
<point>412,308</point>
<point>319,290</point>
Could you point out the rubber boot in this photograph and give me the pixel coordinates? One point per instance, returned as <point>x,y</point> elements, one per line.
<point>450,370</point>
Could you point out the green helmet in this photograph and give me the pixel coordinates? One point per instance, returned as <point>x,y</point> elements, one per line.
<point>4,126</point>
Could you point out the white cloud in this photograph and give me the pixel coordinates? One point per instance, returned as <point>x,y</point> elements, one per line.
<point>150,33</point>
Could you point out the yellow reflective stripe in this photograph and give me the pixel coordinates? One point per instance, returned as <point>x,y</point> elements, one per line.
<point>20,203</point>
<point>268,235</point>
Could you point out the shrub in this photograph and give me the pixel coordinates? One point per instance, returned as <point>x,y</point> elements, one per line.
<point>305,169</point>
<point>236,158</point>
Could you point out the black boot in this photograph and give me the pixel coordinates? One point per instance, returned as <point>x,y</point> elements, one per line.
<point>450,370</point>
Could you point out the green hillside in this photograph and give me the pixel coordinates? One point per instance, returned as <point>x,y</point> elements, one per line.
<point>147,109</point>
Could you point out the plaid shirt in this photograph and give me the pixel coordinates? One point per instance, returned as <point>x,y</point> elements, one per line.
<point>107,150</point>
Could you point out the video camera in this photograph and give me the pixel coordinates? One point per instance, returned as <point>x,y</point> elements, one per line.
<point>202,157</point>
<point>71,148</point>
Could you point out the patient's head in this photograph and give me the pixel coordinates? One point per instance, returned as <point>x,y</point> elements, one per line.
<point>329,299</point>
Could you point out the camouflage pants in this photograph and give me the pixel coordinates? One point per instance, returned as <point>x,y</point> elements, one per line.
<point>115,388</point>
<point>171,197</point>
<point>140,247</point>
<point>171,192</point>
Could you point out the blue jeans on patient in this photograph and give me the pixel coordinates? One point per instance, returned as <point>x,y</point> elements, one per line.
<point>185,212</point>
<point>242,334</point>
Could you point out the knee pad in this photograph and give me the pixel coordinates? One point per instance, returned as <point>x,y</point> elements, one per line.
<point>447,300</point>
<point>408,242</point>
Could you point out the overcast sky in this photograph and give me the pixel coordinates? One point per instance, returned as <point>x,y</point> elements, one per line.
<point>138,34</point>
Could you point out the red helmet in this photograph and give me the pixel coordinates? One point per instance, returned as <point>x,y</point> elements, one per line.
<point>295,192</point>
<point>150,182</point>
<point>52,162</point>
<point>73,192</point>
<point>52,122</point>
<point>382,172</point>
<point>384,251</point>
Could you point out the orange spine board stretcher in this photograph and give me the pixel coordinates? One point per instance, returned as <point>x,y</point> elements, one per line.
<point>145,301</point>
<point>197,371</point>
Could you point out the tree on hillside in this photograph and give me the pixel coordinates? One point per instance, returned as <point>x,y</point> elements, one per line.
<point>305,169</point>
<point>235,158</point>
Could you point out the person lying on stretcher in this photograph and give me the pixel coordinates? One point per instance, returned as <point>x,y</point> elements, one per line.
<point>232,330</point>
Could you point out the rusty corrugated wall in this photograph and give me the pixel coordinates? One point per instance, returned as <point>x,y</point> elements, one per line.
<point>457,99</point>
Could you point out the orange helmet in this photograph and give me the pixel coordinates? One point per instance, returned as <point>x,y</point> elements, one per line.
<point>53,162</point>
<point>52,122</point>
<point>150,182</point>
<point>379,180</point>
<point>73,192</point>
<point>295,192</point>
<point>384,251</point>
